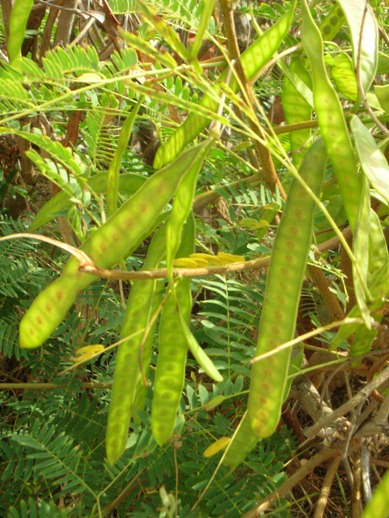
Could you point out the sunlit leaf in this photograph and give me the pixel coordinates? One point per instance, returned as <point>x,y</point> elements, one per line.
<point>382,93</point>
<point>217,446</point>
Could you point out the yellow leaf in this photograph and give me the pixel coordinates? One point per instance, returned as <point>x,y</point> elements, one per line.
<point>230,258</point>
<point>185,262</point>
<point>87,352</point>
<point>211,259</point>
<point>217,446</point>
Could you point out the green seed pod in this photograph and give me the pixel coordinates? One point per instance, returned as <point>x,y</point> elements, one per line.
<point>170,373</point>
<point>296,109</point>
<point>242,442</point>
<point>331,119</point>
<point>134,353</point>
<point>172,349</point>
<point>116,239</point>
<point>283,287</point>
<point>253,60</point>
<point>332,23</point>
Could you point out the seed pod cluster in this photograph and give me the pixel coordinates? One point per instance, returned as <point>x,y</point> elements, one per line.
<point>134,353</point>
<point>117,238</point>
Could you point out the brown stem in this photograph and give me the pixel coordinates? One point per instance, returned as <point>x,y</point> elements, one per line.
<point>264,155</point>
<point>161,273</point>
<point>356,507</point>
<point>330,300</point>
<point>326,487</point>
<point>292,481</point>
<point>122,497</point>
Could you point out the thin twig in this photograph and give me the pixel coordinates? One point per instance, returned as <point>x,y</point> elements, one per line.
<point>51,386</point>
<point>365,468</point>
<point>307,336</point>
<point>356,506</point>
<point>292,481</point>
<point>361,396</point>
<point>78,254</point>
<point>270,175</point>
<point>326,487</point>
<point>161,273</point>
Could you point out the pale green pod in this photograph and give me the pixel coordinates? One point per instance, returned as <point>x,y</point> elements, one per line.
<point>172,346</point>
<point>170,373</point>
<point>131,367</point>
<point>245,439</point>
<point>296,109</point>
<point>282,295</point>
<point>242,442</point>
<point>331,119</point>
<point>332,23</point>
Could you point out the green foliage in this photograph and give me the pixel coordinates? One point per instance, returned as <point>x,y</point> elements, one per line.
<point>68,105</point>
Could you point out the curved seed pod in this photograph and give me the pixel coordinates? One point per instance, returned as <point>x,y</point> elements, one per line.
<point>331,120</point>
<point>283,287</point>
<point>206,15</point>
<point>142,303</point>
<point>17,27</point>
<point>113,177</point>
<point>343,75</point>
<point>296,109</point>
<point>253,60</point>
<point>244,438</point>
<point>120,235</point>
<point>172,350</point>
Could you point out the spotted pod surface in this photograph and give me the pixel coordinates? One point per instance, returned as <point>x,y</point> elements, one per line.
<point>282,294</point>
<point>296,109</point>
<point>170,373</point>
<point>331,119</point>
<point>133,355</point>
<point>172,346</point>
<point>332,23</point>
<point>116,239</point>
